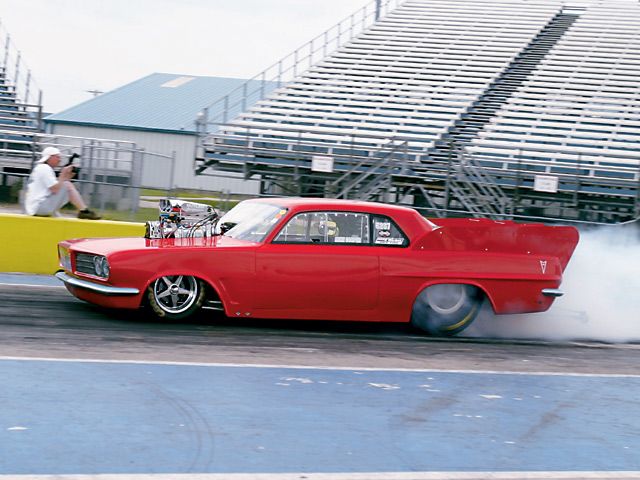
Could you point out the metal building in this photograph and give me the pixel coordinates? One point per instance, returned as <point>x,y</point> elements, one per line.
<point>159,114</point>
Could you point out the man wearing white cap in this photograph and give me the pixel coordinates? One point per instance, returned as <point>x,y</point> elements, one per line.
<point>46,194</point>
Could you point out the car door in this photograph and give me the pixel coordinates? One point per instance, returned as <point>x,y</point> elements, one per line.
<point>319,264</point>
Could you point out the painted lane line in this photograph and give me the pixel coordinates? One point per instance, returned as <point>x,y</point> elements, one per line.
<point>551,475</point>
<point>30,285</point>
<point>306,367</point>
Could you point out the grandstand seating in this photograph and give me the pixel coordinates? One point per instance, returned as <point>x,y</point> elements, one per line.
<point>503,90</point>
<point>577,115</point>
<point>20,123</point>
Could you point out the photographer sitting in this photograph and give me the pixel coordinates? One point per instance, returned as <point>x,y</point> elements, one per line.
<point>46,194</point>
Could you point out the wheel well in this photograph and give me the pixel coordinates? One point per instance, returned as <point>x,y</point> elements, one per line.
<point>211,291</point>
<point>482,291</point>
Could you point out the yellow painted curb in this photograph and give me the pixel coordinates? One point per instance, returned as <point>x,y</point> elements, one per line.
<point>29,244</point>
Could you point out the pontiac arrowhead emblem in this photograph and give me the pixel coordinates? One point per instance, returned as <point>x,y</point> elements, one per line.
<point>543,266</point>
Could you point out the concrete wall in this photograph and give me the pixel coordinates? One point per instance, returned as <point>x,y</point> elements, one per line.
<point>157,170</point>
<point>31,243</point>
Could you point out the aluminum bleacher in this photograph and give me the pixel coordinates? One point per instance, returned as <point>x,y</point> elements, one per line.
<point>577,116</point>
<point>496,108</point>
<point>20,116</point>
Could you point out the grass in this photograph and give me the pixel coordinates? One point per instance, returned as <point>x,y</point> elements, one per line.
<point>145,213</point>
<point>141,216</point>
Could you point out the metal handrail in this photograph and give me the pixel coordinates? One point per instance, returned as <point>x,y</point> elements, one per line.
<point>292,65</point>
<point>380,163</point>
<point>16,70</point>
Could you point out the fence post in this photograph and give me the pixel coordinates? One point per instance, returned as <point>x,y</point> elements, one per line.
<point>26,93</point>
<point>15,79</point>
<point>244,96</point>
<point>40,123</point>
<point>351,26</point>
<point>171,173</point>
<point>324,45</point>
<point>447,186</point>
<point>225,109</point>
<point>138,166</point>
<point>637,206</point>
<point>6,52</point>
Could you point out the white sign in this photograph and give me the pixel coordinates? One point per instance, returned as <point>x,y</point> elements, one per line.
<point>545,183</point>
<point>321,163</point>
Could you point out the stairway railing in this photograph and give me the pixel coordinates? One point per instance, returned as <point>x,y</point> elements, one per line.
<point>291,66</point>
<point>379,169</point>
<point>16,71</point>
<point>476,189</point>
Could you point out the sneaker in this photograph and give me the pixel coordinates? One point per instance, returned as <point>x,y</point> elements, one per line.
<point>88,214</point>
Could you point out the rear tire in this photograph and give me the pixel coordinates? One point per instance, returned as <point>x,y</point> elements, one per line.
<point>176,297</point>
<point>446,309</point>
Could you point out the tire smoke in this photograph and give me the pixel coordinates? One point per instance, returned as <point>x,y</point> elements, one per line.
<point>601,300</point>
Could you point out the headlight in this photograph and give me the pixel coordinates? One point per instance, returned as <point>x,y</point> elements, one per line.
<point>101,266</point>
<point>65,258</point>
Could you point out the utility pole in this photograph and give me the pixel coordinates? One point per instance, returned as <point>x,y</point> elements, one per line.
<point>378,9</point>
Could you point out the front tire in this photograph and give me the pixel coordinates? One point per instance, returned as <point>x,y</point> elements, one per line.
<point>176,297</point>
<point>446,309</point>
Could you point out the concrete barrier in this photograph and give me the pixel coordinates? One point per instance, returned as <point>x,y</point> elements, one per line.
<point>29,244</point>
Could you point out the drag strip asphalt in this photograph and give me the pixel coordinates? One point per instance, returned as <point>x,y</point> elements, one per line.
<point>46,321</point>
<point>89,392</point>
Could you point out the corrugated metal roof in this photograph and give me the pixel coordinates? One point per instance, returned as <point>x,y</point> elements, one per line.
<point>158,102</point>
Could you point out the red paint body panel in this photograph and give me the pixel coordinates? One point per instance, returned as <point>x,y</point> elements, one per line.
<point>510,262</point>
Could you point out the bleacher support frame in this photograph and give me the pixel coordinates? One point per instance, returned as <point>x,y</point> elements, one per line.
<point>483,128</point>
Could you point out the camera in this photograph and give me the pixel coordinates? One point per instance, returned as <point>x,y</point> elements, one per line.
<point>76,170</point>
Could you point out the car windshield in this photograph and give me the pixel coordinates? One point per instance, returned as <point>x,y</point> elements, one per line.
<point>250,221</point>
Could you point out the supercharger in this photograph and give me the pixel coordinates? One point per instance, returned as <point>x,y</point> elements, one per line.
<point>182,219</point>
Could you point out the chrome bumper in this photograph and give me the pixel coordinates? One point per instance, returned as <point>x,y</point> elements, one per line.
<point>95,287</point>
<point>552,292</point>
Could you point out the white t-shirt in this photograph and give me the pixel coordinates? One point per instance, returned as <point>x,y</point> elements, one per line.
<point>42,178</point>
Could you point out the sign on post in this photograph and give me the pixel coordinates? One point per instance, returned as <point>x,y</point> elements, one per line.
<point>545,183</point>
<point>322,163</point>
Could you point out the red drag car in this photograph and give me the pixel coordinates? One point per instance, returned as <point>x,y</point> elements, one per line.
<point>292,258</point>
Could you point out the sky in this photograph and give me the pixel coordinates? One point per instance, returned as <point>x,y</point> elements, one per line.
<point>72,46</point>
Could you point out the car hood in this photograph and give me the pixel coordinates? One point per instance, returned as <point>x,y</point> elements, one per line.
<point>106,246</point>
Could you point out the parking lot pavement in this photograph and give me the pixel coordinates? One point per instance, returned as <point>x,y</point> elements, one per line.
<point>102,417</point>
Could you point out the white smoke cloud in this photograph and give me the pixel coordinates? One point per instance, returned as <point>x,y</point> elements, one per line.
<point>602,295</point>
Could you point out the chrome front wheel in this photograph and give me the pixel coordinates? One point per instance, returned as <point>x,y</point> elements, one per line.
<point>176,296</point>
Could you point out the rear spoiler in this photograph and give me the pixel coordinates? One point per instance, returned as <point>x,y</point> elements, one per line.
<point>471,234</point>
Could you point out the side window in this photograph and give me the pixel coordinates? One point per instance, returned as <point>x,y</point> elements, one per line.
<point>295,231</point>
<point>326,227</point>
<point>385,232</point>
<point>351,227</point>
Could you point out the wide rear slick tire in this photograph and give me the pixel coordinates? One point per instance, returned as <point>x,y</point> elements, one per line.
<point>176,297</point>
<point>446,309</point>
